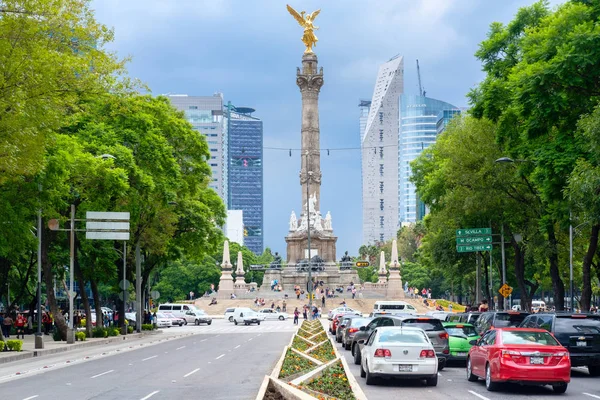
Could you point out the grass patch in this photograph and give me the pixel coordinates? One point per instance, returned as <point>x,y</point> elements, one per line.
<point>324,352</point>
<point>299,344</point>
<point>455,306</point>
<point>294,364</point>
<point>333,383</point>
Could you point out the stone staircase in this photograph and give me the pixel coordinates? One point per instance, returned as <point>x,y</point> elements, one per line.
<point>363,305</point>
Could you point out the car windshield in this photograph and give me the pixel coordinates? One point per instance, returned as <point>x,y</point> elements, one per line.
<point>161,315</point>
<point>461,331</point>
<point>580,325</point>
<point>528,337</point>
<point>401,336</point>
<point>505,320</point>
<point>425,324</point>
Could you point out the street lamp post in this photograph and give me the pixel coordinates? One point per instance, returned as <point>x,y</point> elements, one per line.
<point>39,342</point>
<point>308,179</point>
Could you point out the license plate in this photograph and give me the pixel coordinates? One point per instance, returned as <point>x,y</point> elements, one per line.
<point>536,360</point>
<point>461,354</point>
<point>581,344</point>
<point>404,368</point>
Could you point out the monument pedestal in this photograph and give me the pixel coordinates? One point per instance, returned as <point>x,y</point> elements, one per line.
<point>320,245</point>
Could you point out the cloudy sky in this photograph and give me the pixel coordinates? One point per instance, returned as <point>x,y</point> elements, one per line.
<point>249,51</point>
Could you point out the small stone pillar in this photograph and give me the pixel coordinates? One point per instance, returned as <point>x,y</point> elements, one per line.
<point>382,269</point>
<point>226,281</point>
<point>239,272</point>
<point>395,289</point>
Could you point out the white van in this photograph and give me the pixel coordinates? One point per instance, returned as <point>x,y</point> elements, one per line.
<point>246,316</point>
<point>537,306</point>
<point>393,307</point>
<point>179,310</point>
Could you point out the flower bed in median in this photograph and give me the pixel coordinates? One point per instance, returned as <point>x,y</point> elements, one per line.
<point>305,334</point>
<point>319,338</point>
<point>300,344</point>
<point>294,364</point>
<point>333,383</point>
<point>324,352</point>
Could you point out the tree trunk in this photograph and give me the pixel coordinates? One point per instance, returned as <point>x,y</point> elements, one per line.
<point>84,296</point>
<point>95,295</point>
<point>519,262</point>
<point>557,283</point>
<point>586,291</point>
<point>59,320</point>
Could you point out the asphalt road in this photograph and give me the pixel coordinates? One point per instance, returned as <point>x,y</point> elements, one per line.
<point>206,366</point>
<point>453,385</point>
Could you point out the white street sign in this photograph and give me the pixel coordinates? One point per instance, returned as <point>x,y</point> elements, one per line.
<point>107,235</point>
<point>101,215</point>
<point>103,226</point>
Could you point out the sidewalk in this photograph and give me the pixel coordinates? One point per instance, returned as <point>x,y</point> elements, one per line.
<point>52,347</point>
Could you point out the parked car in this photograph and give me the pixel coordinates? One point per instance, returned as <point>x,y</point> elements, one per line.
<point>271,314</point>
<point>342,310</point>
<point>459,337</point>
<point>350,330</point>
<point>466,317</point>
<point>395,352</point>
<point>131,319</point>
<point>499,319</point>
<point>344,320</point>
<point>365,331</point>
<point>441,315</point>
<point>175,321</point>
<point>334,323</point>
<point>200,317</point>
<point>162,321</point>
<point>578,333</point>
<point>229,314</point>
<point>177,309</point>
<point>519,355</point>
<point>435,331</point>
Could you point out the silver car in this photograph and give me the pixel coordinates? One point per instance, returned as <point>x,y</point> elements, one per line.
<point>350,330</point>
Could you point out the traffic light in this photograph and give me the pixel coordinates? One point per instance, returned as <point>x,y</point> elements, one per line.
<point>245,232</point>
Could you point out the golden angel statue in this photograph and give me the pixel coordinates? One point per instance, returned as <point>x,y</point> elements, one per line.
<point>306,21</point>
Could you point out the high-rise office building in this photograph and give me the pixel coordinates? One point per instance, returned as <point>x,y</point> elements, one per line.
<point>379,142</point>
<point>205,113</point>
<point>245,171</point>
<point>419,117</point>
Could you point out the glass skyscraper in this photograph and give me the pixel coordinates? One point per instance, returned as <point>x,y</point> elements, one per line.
<point>419,117</point>
<point>245,171</point>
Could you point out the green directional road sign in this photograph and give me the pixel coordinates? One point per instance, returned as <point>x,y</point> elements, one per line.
<point>467,249</point>
<point>474,240</point>
<point>474,232</point>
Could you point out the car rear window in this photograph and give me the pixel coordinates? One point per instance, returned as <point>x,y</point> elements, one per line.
<point>354,322</point>
<point>401,336</point>
<point>461,331</point>
<point>425,324</point>
<point>392,307</point>
<point>529,338</point>
<point>577,325</point>
<point>506,320</point>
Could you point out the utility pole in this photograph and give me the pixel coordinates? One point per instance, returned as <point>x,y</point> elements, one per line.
<point>138,287</point>
<point>39,341</point>
<point>504,304</point>
<point>70,334</point>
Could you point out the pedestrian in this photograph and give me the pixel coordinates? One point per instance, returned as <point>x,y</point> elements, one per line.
<point>296,314</point>
<point>7,325</point>
<point>272,305</point>
<point>305,312</point>
<point>20,325</point>
<point>323,301</point>
<point>450,307</point>
<point>29,325</point>
<point>284,306</point>
<point>483,307</point>
<point>353,293</point>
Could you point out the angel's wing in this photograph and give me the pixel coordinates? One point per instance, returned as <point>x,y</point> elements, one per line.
<point>296,16</point>
<point>314,14</point>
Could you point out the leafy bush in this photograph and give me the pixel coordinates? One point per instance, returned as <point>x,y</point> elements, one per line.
<point>112,331</point>
<point>14,345</point>
<point>333,383</point>
<point>148,327</point>
<point>294,364</point>
<point>130,329</point>
<point>81,336</point>
<point>56,335</point>
<point>99,332</point>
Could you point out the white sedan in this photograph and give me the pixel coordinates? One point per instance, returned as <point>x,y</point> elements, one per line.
<point>344,311</point>
<point>270,314</point>
<point>399,352</point>
<point>163,321</point>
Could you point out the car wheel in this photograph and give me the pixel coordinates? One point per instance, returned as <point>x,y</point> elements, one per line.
<point>362,372</point>
<point>258,322</point>
<point>338,339</point>
<point>560,389</point>
<point>281,318</point>
<point>470,376</point>
<point>356,351</point>
<point>347,346</point>
<point>489,384</point>
<point>209,322</point>
<point>432,381</point>
<point>235,322</point>
<point>230,319</point>
<point>197,322</point>
<point>370,379</point>
<point>594,370</point>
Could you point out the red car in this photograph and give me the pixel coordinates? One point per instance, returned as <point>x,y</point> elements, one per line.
<point>519,355</point>
<point>333,325</point>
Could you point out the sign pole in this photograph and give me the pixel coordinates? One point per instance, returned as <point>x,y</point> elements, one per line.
<point>138,287</point>
<point>478,281</point>
<point>124,326</point>
<point>71,274</point>
<point>39,342</point>
<point>504,305</point>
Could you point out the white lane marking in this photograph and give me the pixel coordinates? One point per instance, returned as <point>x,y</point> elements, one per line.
<point>592,395</point>
<point>150,395</point>
<point>190,373</point>
<point>478,395</point>
<point>179,348</point>
<point>104,373</point>
<point>250,339</point>
<point>149,358</point>
<point>222,355</point>
<point>237,346</point>
<point>31,397</point>
<point>203,340</point>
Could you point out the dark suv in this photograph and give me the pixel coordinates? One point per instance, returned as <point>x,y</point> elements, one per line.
<point>499,319</point>
<point>364,332</point>
<point>435,331</point>
<point>578,333</point>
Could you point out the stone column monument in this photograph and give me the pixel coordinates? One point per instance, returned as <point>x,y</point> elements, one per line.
<point>395,289</point>
<point>239,272</point>
<point>226,281</point>
<point>382,270</point>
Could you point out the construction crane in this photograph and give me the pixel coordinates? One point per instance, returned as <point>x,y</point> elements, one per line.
<point>421,89</point>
